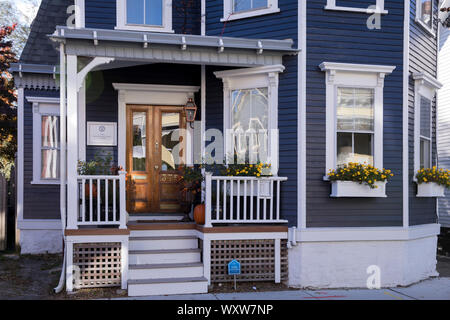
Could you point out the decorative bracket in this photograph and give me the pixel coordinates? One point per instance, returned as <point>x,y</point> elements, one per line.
<point>89,67</point>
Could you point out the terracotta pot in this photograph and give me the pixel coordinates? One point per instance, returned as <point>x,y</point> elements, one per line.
<point>199,214</point>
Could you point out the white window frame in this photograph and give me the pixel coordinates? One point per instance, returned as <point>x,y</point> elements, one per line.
<point>42,106</point>
<point>250,78</point>
<point>354,76</point>
<point>331,5</point>
<point>426,86</point>
<point>418,18</point>
<point>166,19</point>
<point>228,14</point>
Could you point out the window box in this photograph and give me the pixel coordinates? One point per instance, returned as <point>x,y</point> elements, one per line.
<point>430,189</point>
<point>357,190</point>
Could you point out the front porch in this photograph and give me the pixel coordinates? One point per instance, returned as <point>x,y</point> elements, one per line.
<point>243,215</point>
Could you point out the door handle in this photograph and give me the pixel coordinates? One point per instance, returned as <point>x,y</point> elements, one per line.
<point>156,167</point>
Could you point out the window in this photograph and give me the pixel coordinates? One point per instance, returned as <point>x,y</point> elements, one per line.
<point>46,140</point>
<point>145,15</point>
<point>424,15</point>
<point>367,6</point>
<point>425,88</point>
<point>355,125</point>
<point>251,114</point>
<point>354,113</point>
<point>240,9</point>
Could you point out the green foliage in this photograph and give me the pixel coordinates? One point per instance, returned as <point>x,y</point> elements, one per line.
<point>361,173</point>
<point>99,166</point>
<point>439,176</point>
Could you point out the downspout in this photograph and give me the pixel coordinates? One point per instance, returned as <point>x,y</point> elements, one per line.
<point>63,178</point>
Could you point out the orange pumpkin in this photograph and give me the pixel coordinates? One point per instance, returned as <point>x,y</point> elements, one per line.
<point>199,214</point>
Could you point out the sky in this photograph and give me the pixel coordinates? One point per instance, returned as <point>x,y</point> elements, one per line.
<point>26,7</point>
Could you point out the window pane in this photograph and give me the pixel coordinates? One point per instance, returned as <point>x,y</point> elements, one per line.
<point>50,164</point>
<point>426,11</point>
<point>344,148</point>
<point>425,117</point>
<point>170,125</point>
<point>355,109</point>
<point>250,123</point>
<point>259,3</point>
<point>153,12</point>
<point>242,5</point>
<point>425,153</point>
<point>363,149</point>
<point>50,131</point>
<point>135,11</point>
<point>139,141</point>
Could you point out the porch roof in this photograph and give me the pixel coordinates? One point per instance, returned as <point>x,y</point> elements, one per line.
<point>173,48</point>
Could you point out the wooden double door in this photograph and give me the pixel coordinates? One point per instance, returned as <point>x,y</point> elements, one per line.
<point>155,148</point>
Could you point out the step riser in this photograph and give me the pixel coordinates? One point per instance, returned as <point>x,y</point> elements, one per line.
<point>136,290</point>
<point>156,258</point>
<point>162,233</point>
<point>163,244</point>
<point>155,218</point>
<point>160,273</point>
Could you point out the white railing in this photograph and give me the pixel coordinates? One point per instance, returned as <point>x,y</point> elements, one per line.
<point>242,199</point>
<point>102,200</point>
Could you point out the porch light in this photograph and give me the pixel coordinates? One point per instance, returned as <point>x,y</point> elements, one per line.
<point>190,110</point>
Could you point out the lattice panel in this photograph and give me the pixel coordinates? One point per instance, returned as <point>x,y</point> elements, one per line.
<point>257,258</point>
<point>98,264</point>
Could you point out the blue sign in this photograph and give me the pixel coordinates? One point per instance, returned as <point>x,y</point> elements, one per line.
<point>234,267</point>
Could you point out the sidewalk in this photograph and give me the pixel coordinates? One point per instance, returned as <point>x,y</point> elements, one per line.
<point>431,289</point>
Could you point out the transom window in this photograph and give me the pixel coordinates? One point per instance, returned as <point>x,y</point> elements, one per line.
<point>250,119</point>
<point>425,132</point>
<point>145,12</point>
<point>244,5</point>
<point>355,125</point>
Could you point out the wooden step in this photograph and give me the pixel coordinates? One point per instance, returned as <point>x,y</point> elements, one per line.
<point>167,270</point>
<point>164,256</point>
<point>163,242</point>
<point>163,286</point>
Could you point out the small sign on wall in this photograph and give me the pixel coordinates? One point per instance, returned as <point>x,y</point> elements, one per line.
<point>102,133</point>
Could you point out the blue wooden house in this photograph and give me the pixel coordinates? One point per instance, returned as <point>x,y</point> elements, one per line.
<point>303,86</point>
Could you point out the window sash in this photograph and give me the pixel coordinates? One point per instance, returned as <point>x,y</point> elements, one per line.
<point>50,147</point>
<point>426,14</point>
<point>146,12</point>
<point>248,5</point>
<point>425,152</point>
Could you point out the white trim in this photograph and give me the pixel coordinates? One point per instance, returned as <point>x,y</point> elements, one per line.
<point>425,86</point>
<point>241,235</point>
<point>39,224</point>
<point>353,75</point>
<point>41,106</point>
<point>82,122</point>
<point>20,153</point>
<point>418,20</point>
<point>405,115</point>
<point>367,234</point>
<point>248,78</point>
<point>147,94</point>
<point>301,121</point>
<point>166,18</point>
<point>79,14</point>
<point>331,5</point>
<point>97,61</point>
<point>229,15</point>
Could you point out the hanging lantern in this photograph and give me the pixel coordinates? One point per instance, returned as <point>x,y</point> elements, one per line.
<point>190,110</point>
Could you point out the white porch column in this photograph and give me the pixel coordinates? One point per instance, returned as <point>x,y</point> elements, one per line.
<point>72,142</point>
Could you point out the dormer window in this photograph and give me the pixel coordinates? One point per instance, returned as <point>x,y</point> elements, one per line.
<point>144,15</point>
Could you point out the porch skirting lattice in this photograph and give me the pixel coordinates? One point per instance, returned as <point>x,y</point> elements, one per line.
<point>257,258</point>
<point>97,264</point>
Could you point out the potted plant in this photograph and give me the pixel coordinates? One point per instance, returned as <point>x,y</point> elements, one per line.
<point>358,180</point>
<point>258,170</point>
<point>190,190</point>
<point>431,182</point>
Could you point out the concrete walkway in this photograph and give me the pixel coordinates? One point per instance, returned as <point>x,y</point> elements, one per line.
<point>431,289</point>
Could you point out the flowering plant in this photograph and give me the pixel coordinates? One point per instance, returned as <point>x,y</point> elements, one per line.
<point>248,170</point>
<point>439,176</point>
<point>361,173</point>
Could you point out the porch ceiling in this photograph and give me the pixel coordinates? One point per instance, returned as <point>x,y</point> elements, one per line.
<point>173,48</point>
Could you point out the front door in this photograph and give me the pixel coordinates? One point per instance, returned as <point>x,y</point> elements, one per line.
<point>155,146</point>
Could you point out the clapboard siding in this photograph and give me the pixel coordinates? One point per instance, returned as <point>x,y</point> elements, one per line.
<point>422,58</point>
<point>344,37</point>
<point>282,25</point>
<point>444,121</point>
<point>39,201</point>
<point>101,14</point>
<point>102,98</point>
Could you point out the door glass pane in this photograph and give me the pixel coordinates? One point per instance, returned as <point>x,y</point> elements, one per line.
<point>153,12</point>
<point>344,148</point>
<point>426,11</point>
<point>363,148</point>
<point>135,11</point>
<point>425,153</point>
<point>425,117</point>
<point>170,141</point>
<point>250,112</point>
<point>139,141</point>
<point>50,164</point>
